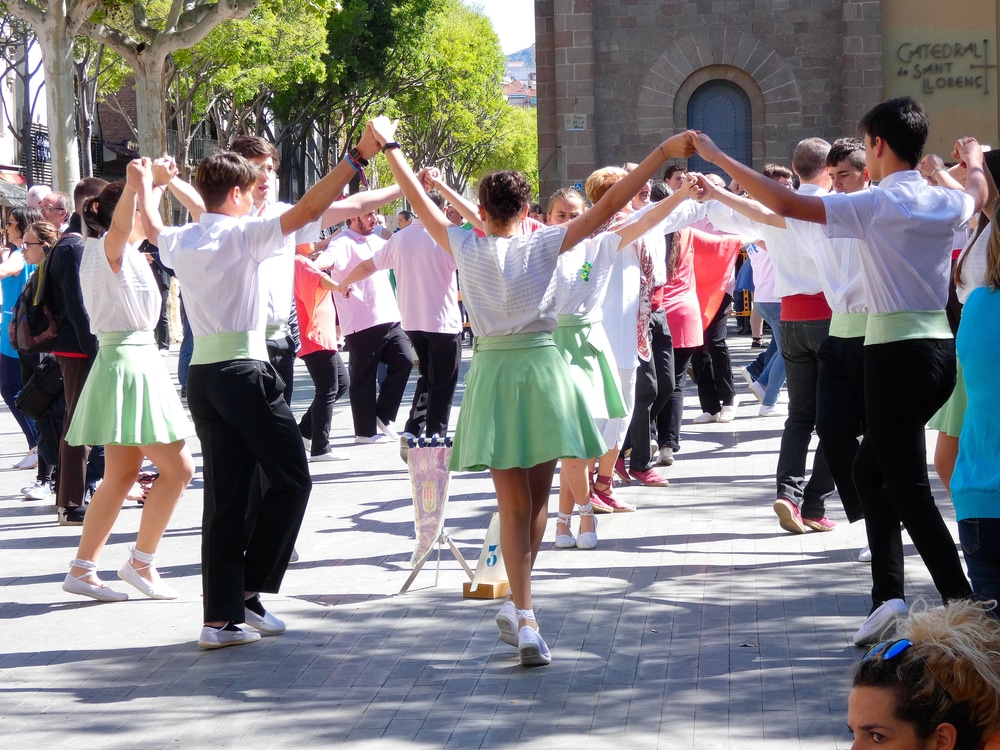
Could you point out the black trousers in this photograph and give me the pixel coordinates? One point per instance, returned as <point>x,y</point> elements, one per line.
<point>368,348</point>
<point>800,343</point>
<point>906,382</point>
<point>439,357</point>
<point>840,413</point>
<point>281,352</point>
<point>243,423</point>
<point>330,381</point>
<point>668,423</point>
<point>712,365</point>
<point>654,382</point>
<point>79,466</point>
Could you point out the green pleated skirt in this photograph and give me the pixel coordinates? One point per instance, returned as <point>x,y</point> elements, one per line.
<point>128,398</point>
<point>521,407</point>
<point>583,344</point>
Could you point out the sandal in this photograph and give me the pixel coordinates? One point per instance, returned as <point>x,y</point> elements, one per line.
<point>145,481</point>
<point>565,541</point>
<point>587,539</point>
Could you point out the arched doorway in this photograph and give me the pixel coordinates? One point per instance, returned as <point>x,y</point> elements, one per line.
<point>722,110</point>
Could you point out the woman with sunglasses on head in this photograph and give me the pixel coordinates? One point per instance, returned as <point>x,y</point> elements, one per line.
<point>14,273</point>
<point>935,686</point>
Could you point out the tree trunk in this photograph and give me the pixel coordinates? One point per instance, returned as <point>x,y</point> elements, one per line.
<point>56,43</point>
<point>150,89</point>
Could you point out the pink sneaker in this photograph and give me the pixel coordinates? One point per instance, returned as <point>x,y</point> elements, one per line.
<point>789,517</point>
<point>649,478</point>
<point>820,524</point>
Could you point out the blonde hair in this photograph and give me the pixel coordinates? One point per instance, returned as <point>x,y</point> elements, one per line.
<point>959,645</point>
<point>601,181</point>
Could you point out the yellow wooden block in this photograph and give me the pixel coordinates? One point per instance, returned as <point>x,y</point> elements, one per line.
<point>486,590</point>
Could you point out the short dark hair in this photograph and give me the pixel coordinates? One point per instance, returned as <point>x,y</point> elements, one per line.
<point>658,190</point>
<point>902,123</point>
<point>671,170</point>
<point>851,149</point>
<point>219,173</point>
<point>98,212</point>
<point>774,171</point>
<point>253,147</point>
<point>408,215</point>
<point>503,195</point>
<point>88,187</point>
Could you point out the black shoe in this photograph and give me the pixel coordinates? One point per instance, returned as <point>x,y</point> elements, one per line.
<point>71,516</point>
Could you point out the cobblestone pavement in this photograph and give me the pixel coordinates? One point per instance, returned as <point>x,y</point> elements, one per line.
<point>696,623</point>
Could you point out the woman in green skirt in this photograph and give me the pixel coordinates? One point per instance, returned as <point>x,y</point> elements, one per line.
<point>128,403</point>
<point>521,411</point>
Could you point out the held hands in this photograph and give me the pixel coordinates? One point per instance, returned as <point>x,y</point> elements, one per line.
<point>678,146</point>
<point>705,146</point>
<point>164,170</point>
<point>382,130</point>
<point>428,177</point>
<point>139,174</point>
<point>968,151</point>
<point>698,187</point>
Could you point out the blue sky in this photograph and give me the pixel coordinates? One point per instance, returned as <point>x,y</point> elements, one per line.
<point>514,21</point>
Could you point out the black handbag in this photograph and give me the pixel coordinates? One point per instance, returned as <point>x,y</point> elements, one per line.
<point>42,390</point>
<point>33,327</point>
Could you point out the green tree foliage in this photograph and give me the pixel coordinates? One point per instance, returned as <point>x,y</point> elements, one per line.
<point>458,120</point>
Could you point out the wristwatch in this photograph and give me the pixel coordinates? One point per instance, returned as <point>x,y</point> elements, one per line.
<point>356,155</point>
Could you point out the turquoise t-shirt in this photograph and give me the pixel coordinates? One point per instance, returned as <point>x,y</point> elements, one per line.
<point>10,288</point>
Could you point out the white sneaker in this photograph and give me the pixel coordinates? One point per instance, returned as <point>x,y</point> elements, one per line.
<point>865,555</point>
<point>770,411</point>
<point>532,649</point>
<point>386,429</point>
<point>221,637</point>
<point>38,491</point>
<point>879,620</point>
<point>328,456</point>
<point>727,414</point>
<point>705,418</point>
<point>30,460</point>
<point>745,372</point>
<point>362,440</point>
<point>757,390</point>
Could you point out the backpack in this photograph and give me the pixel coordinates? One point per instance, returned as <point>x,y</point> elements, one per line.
<point>33,327</point>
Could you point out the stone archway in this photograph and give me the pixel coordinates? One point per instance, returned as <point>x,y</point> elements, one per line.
<point>721,54</point>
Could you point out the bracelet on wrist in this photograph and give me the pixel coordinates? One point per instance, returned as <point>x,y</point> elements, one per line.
<point>935,171</point>
<point>389,145</point>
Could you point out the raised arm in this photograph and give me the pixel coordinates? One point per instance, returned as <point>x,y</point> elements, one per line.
<point>752,209</point>
<point>165,174</point>
<point>932,168</point>
<point>677,146</point>
<point>968,151</point>
<point>321,196</point>
<point>122,222</point>
<point>469,210</point>
<point>359,204</point>
<point>140,175</point>
<point>778,198</point>
<point>435,222</point>
<point>654,215</point>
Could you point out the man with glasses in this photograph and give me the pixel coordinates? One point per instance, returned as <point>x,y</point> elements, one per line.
<point>56,208</point>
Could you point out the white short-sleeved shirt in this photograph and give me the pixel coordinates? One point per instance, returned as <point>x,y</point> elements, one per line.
<point>907,230</point>
<point>576,295</point>
<point>116,302</point>
<point>621,307</point>
<point>506,281</point>
<point>278,273</point>
<point>216,261</point>
<point>372,301</point>
<point>426,284</point>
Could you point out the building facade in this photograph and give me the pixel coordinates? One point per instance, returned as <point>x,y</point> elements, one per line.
<point>616,77</point>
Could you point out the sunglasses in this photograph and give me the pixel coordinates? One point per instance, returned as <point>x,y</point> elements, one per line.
<point>887,650</point>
